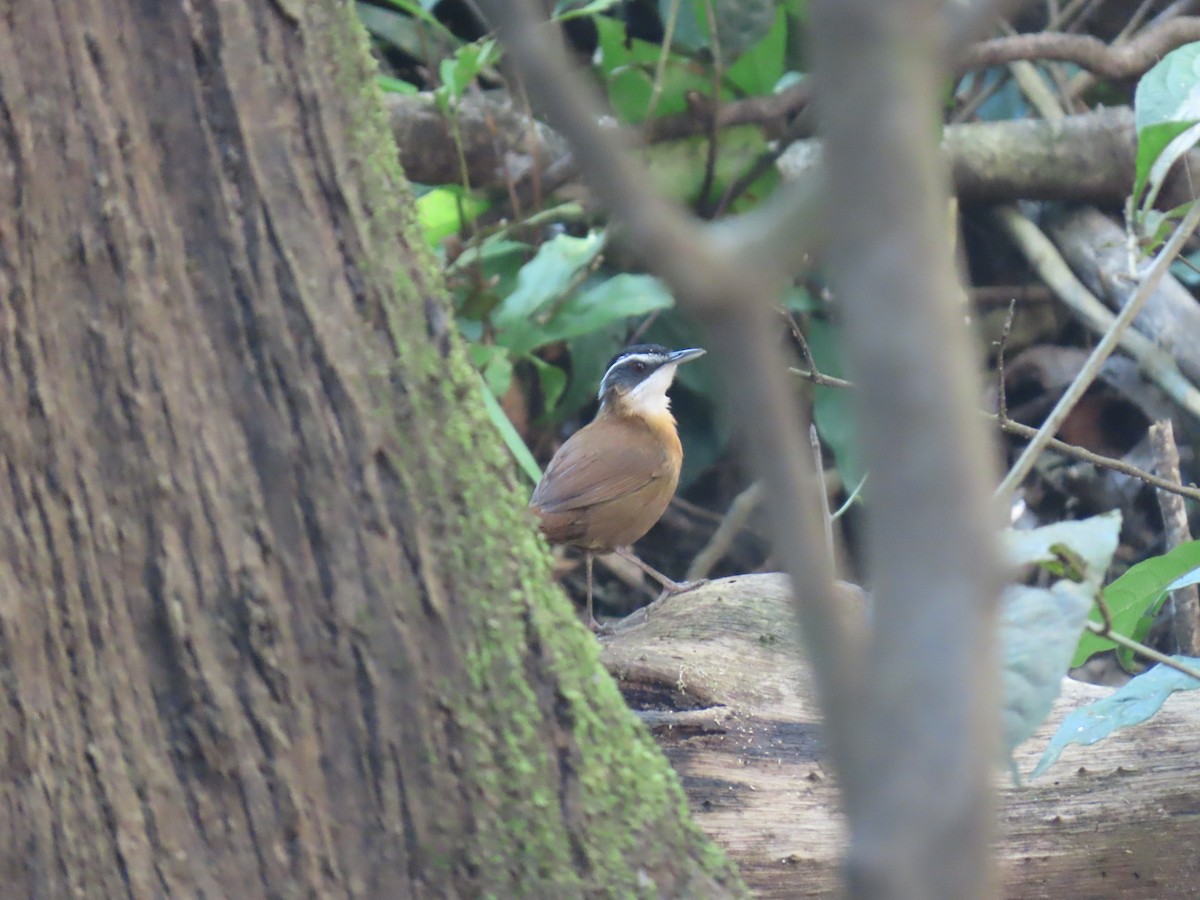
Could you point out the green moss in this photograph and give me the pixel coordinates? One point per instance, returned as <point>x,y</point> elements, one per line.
<point>463,489</point>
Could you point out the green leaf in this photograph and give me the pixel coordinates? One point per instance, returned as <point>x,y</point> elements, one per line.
<point>1166,104</point>
<point>1170,91</point>
<point>552,380</point>
<point>409,28</point>
<point>495,365</point>
<point>761,66</point>
<point>629,92</point>
<point>1087,544</point>
<point>1039,627</point>
<point>544,279</point>
<point>691,29</point>
<point>1135,594</point>
<point>630,88</point>
<point>390,85</point>
<point>457,72</point>
<point>1131,704</point>
<point>483,274</point>
<point>743,23</point>
<point>616,50</point>
<point>612,300</point>
<point>443,211</point>
<point>509,435</point>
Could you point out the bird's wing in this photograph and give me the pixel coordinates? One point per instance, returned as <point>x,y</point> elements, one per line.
<point>583,474</point>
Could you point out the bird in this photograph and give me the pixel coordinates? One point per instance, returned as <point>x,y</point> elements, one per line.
<point>612,479</point>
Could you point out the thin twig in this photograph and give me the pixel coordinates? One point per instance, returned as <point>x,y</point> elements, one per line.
<point>1001,347</point>
<point>732,523</point>
<point>1019,429</point>
<point>823,380</point>
<point>660,67</point>
<point>1104,629</point>
<point>1141,649</point>
<point>1033,86</point>
<point>703,206</point>
<point>845,507</point>
<point>1103,350</point>
<point>826,519</point>
<point>1104,462</point>
<point>1125,61</point>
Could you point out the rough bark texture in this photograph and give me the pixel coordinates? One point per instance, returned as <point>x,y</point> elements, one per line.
<point>718,677</point>
<point>272,619</point>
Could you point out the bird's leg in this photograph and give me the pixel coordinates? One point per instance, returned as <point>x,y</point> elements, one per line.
<point>591,620</point>
<point>669,587</point>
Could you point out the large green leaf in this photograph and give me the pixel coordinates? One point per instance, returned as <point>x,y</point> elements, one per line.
<point>1131,704</point>
<point>1170,91</point>
<point>1039,627</point>
<point>691,28</point>
<point>464,66</point>
<point>615,49</point>
<point>443,211</point>
<point>611,300</point>
<point>543,280</point>
<point>1134,596</point>
<point>408,28</point>
<point>759,68</point>
<point>741,24</point>
<point>552,380</point>
<point>1166,105</point>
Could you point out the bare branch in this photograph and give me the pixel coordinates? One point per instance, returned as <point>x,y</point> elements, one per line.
<point>732,523</point>
<point>1127,60</point>
<point>917,785</point>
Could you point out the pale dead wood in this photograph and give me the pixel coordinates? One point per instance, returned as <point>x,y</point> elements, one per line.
<point>735,712</point>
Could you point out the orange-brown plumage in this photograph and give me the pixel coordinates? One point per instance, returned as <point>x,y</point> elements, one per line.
<point>609,483</point>
<point>613,479</point>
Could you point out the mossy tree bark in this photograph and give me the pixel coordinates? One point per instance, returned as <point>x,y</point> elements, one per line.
<point>272,620</point>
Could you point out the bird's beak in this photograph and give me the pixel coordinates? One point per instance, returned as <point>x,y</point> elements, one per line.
<point>682,356</point>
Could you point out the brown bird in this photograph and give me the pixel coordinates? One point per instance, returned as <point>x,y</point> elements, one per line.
<point>612,480</point>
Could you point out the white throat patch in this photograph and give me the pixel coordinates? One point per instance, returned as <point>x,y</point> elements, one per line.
<point>650,397</point>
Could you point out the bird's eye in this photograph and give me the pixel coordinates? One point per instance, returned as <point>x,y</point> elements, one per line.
<point>639,367</point>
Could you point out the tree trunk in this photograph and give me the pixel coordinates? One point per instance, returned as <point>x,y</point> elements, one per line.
<point>272,619</point>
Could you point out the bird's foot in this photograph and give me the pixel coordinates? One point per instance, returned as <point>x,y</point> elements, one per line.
<point>671,588</point>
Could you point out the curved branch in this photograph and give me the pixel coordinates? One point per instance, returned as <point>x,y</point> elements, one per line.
<point>1127,60</point>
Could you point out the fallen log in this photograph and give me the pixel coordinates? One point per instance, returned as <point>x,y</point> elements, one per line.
<point>718,676</point>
